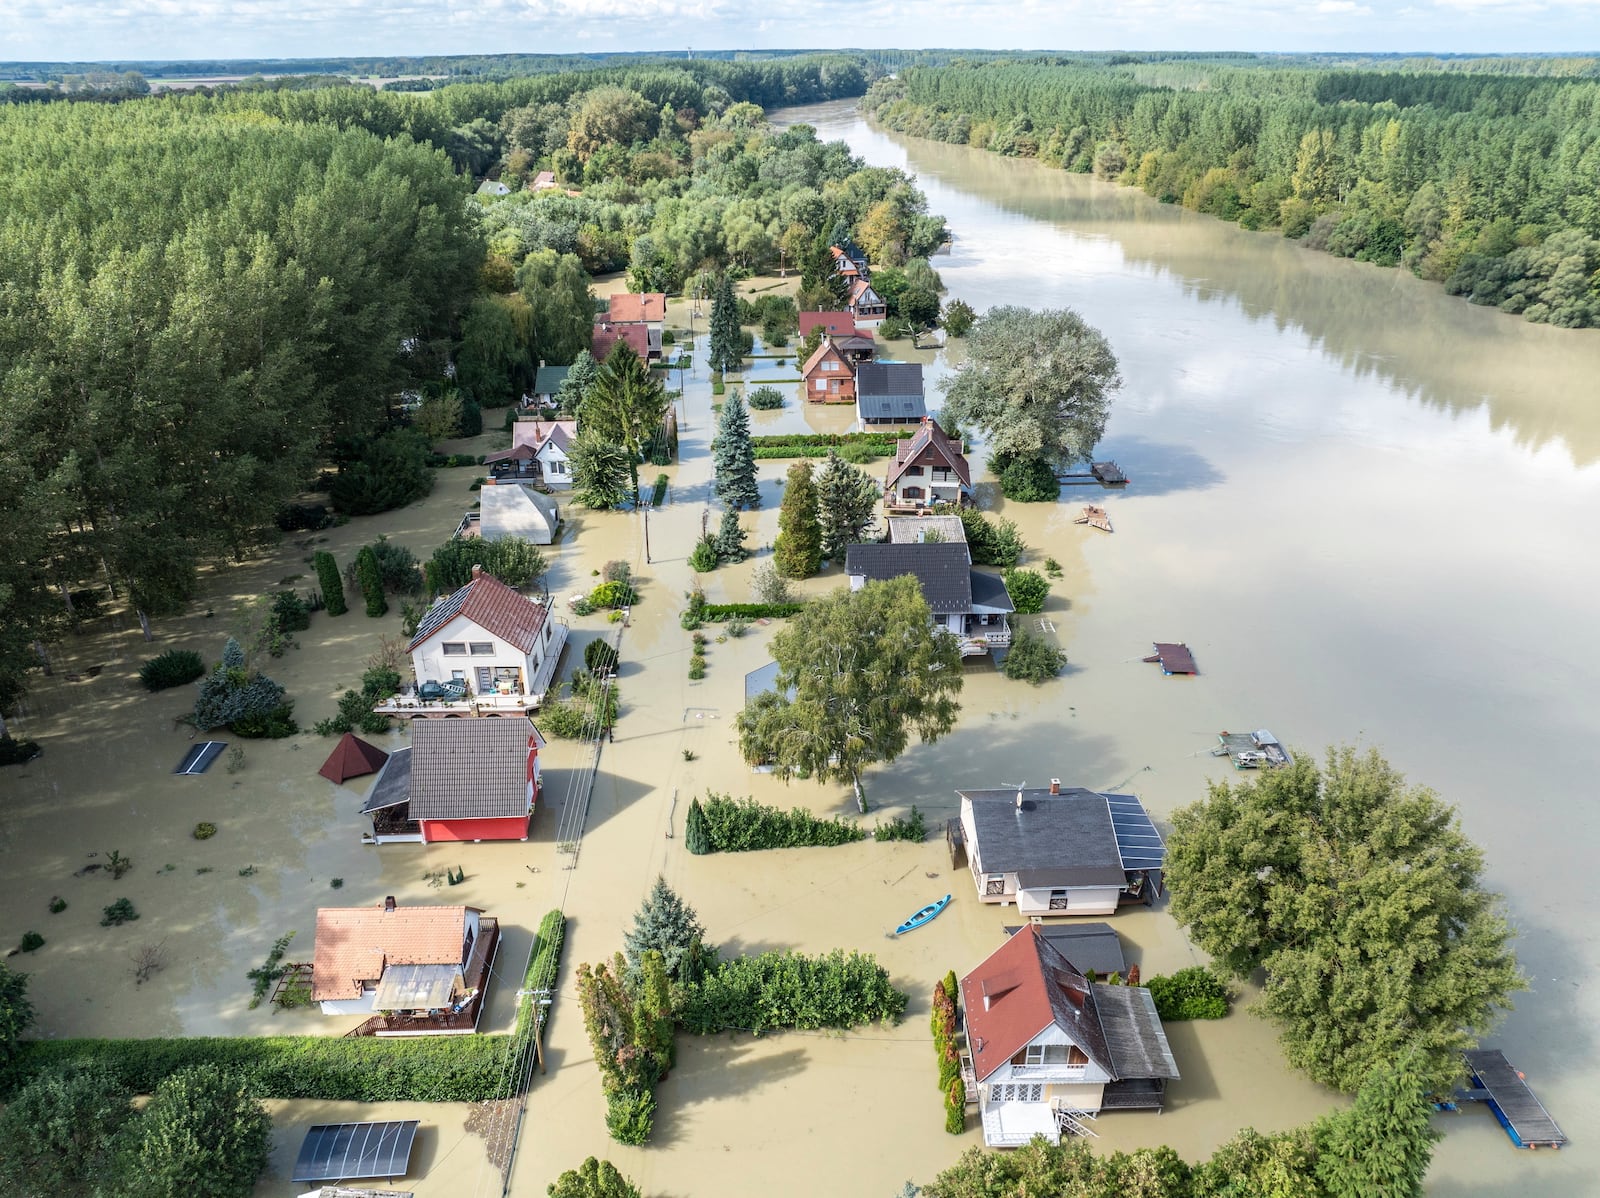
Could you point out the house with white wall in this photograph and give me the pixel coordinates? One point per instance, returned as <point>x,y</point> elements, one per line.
<point>1048,1050</point>
<point>1060,851</point>
<point>929,469</point>
<point>969,604</point>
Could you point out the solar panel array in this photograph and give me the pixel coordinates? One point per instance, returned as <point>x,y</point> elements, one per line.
<point>1138,841</point>
<point>339,1151</point>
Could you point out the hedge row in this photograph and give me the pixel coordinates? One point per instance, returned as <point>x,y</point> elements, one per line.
<point>744,825</point>
<point>543,966</point>
<point>719,612</point>
<point>827,441</point>
<point>1192,993</point>
<point>332,1068</point>
<point>787,990</point>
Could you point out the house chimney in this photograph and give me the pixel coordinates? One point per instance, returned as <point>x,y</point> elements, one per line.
<point>477,572</point>
<point>388,903</point>
<point>1055,786</point>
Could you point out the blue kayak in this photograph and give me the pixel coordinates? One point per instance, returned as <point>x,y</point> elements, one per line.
<point>923,916</point>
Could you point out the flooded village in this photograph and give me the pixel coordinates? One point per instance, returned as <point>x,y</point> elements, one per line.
<point>1312,515</point>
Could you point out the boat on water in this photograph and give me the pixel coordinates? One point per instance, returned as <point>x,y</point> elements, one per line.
<point>923,916</point>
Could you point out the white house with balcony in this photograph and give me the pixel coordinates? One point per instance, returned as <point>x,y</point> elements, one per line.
<point>500,646</point>
<point>1060,851</point>
<point>1048,1050</point>
<point>971,605</point>
<point>929,470</point>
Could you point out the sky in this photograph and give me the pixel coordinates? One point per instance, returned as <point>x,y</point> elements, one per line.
<point>91,30</point>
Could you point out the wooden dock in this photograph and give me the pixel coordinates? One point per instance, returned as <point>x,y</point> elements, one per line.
<point>1504,1091</point>
<point>1106,474</point>
<point>1250,750</point>
<point>1094,517</point>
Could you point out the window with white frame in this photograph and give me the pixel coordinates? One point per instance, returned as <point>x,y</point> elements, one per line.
<point>1015,1092</point>
<point>482,648</point>
<point>454,648</point>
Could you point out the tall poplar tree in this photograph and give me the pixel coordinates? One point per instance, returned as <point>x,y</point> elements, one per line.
<point>798,550</point>
<point>847,506</point>
<point>734,457</point>
<point>727,347</point>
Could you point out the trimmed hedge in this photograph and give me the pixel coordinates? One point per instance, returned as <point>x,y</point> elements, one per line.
<point>331,1068</point>
<point>775,991</point>
<point>719,612</point>
<point>744,825</point>
<point>543,966</point>
<point>1193,993</point>
<point>827,441</point>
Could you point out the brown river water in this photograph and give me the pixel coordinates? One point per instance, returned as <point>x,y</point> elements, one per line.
<point>1364,505</point>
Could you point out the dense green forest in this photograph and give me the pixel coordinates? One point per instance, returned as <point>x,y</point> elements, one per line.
<point>1485,180</point>
<point>207,300</point>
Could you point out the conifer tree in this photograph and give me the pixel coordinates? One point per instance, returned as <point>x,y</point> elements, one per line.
<point>371,579</point>
<point>625,406</point>
<point>696,837</point>
<point>667,925</point>
<point>332,585</point>
<point>798,551</point>
<point>599,472</point>
<point>734,458</point>
<point>730,538</point>
<point>727,349</point>
<point>1381,1145</point>
<point>581,376</point>
<point>847,506</point>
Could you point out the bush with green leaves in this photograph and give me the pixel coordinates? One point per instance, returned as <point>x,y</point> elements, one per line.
<point>614,594</point>
<point>544,963</point>
<point>120,912</point>
<point>1032,658</point>
<point>327,1068</point>
<point>744,825</point>
<point>957,318</point>
<point>769,587</point>
<point>202,1134</point>
<point>630,1115</point>
<point>58,1133</point>
<point>765,399</point>
<point>355,714</point>
<point>1193,993</point>
<point>912,827</point>
<point>31,942</point>
<point>371,582</point>
<point>332,585</point>
<point>246,701</point>
<point>593,1179</point>
<point>389,471</point>
<point>399,572</point>
<point>787,990</point>
<point>515,561</point>
<point>173,668</point>
<point>1027,480</point>
<point>703,557</point>
<point>1027,589</point>
<point>17,752</point>
<point>290,612</point>
<point>991,542</point>
<point>566,721</point>
<point>600,656</point>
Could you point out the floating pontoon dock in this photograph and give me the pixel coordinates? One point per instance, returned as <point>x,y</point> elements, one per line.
<point>1250,750</point>
<point>1173,658</point>
<point>1094,517</point>
<point>1107,474</point>
<point>1502,1089</point>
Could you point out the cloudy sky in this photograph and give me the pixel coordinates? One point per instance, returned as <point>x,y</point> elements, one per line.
<point>133,29</point>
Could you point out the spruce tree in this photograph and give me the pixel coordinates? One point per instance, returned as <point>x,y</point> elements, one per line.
<point>734,458</point>
<point>847,506</point>
<point>727,348</point>
<point>798,552</point>
<point>665,924</point>
<point>1381,1145</point>
<point>581,376</point>
<point>730,538</point>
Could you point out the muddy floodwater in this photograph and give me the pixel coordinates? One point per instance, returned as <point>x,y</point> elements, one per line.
<point>1367,507</point>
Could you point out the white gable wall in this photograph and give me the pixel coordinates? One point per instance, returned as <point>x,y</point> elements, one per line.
<point>430,661</point>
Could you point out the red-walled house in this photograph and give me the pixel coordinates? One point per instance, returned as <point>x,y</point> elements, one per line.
<point>829,376</point>
<point>461,779</point>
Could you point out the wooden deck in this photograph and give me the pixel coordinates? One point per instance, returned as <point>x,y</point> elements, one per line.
<point>1106,474</point>
<point>1173,657</point>
<point>1095,517</point>
<point>446,1023</point>
<point>1504,1091</point>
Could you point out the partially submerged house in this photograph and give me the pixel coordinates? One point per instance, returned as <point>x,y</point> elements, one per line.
<point>502,646</point>
<point>866,305</point>
<point>547,381</point>
<point>422,970</point>
<point>828,375</point>
<point>461,780</point>
<point>929,468</point>
<point>647,309</point>
<point>890,393</point>
<point>1060,851</point>
<point>539,453</point>
<point>607,334</point>
<point>1050,1049</point>
<point>969,604</point>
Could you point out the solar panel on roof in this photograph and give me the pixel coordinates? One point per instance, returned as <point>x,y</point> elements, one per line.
<point>340,1151</point>
<point>1138,842</point>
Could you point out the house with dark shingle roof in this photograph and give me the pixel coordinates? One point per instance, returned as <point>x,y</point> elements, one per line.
<point>1060,852</point>
<point>501,645</point>
<point>969,604</point>
<point>1049,1048</point>
<point>929,469</point>
<point>890,393</point>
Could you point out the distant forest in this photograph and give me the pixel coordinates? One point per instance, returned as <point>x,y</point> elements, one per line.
<point>1481,174</point>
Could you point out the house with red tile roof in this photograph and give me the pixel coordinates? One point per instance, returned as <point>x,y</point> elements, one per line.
<point>929,468</point>
<point>499,645</point>
<point>460,780</point>
<point>834,324</point>
<point>427,966</point>
<point>607,333</point>
<point>829,376</point>
<point>647,309</point>
<point>1049,1049</point>
<point>866,305</point>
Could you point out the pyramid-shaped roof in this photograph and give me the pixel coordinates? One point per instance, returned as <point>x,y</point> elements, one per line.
<point>351,758</point>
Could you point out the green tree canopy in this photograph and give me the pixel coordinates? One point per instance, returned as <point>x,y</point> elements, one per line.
<point>57,1134</point>
<point>727,348</point>
<point>1038,384</point>
<point>798,550</point>
<point>734,458</point>
<point>847,506</point>
<point>556,290</point>
<point>593,1179</point>
<point>202,1135</point>
<point>515,561</point>
<point>625,406</point>
<point>1359,896</point>
<point>600,472</point>
<point>868,669</point>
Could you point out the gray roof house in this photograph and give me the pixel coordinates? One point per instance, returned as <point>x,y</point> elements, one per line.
<point>461,779</point>
<point>967,603</point>
<point>890,393</point>
<point>1060,852</point>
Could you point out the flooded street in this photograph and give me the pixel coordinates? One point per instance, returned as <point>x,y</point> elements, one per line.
<point>1366,506</point>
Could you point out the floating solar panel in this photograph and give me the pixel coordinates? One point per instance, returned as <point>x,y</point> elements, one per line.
<point>339,1151</point>
<point>198,759</point>
<point>1138,841</point>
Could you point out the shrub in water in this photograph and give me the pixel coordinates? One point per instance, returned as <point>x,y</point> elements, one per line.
<point>172,668</point>
<point>1193,993</point>
<point>332,585</point>
<point>743,825</point>
<point>765,398</point>
<point>630,1116</point>
<point>1027,589</point>
<point>119,912</point>
<point>371,582</point>
<point>1032,658</point>
<point>204,830</point>
<point>31,942</point>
